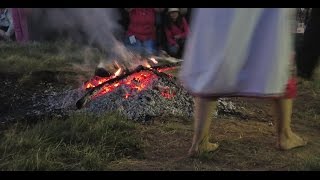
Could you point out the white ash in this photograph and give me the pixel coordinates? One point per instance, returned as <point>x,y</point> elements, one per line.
<point>139,106</point>
<point>150,103</point>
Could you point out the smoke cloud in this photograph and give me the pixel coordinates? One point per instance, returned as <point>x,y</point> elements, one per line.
<point>93,26</point>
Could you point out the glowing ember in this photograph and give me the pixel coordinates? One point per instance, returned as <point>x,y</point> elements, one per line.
<point>96,81</point>
<point>118,72</point>
<point>135,82</point>
<point>148,65</point>
<point>166,69</point>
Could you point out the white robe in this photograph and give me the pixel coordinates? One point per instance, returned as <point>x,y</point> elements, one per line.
<point>238,52</point>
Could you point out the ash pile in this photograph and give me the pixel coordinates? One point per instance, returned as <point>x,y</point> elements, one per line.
<point>139,107</point>
<point>163,98</point>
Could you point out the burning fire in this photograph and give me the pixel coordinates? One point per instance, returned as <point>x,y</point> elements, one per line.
<point>154,60</point>
<point>146,64</point>
<point>118,72</point>
<point>136,82</point>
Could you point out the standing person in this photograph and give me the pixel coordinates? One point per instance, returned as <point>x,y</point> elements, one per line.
<point>177,30</point>
<point>240,52</point>
<point>161,37</point>
<point>20,21</point>
<point>6,24</point>
<point>308,55</point>
<point>141,33</point>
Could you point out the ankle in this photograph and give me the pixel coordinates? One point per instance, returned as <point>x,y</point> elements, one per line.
<point>285,133</point>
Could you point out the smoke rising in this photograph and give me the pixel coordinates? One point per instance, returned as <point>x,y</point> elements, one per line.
<point>97,27</point>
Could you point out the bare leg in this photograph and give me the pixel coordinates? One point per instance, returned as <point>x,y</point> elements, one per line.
<point>286,138</point>
<point>204,109</point>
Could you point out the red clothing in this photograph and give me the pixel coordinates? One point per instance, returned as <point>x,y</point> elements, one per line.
<point>291,89</point>
<point>183,31</point>
<point>142,23</point>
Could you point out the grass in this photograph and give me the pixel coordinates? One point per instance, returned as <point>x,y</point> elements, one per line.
<point>111,142</point>
<point>81,142</point>
<point>62,58</point>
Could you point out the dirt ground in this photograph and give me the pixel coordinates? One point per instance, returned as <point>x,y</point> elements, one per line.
<point>244,144</point>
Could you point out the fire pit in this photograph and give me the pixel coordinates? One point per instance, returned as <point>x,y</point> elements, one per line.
<point>142,93</point>
<point>139,94</point>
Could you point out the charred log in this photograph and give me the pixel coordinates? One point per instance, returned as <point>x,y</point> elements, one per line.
<point>101,72</point>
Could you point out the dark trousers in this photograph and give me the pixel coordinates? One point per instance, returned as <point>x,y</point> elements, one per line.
<point>3,28</point>
<point>177,52</point>
<point>161,39</point>
<point>307,56</point>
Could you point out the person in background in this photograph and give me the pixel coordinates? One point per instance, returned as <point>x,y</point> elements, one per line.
<point>20,21</point>
<point>239,52</point>
<point>141,33</point>
<point>161,37</point>
<point>177,30</point>
<point>307,56</point>
<point>6,25</point>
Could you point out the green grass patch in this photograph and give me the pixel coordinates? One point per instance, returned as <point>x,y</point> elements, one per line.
<point>45,56</point>
<point>81,142</point>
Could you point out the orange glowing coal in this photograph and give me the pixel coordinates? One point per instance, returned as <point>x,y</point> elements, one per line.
<point>135,83</point>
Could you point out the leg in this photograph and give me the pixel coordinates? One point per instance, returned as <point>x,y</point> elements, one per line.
<point>181,43</point>
<point>286,138</point>
<point>173,50</point>
<point>149,47</point>
<point>24,26</point>
<point>3,29</point>
<point>159,29</point>
<point>135,47</point>
<point>204,109</point>
<point>20,24</point>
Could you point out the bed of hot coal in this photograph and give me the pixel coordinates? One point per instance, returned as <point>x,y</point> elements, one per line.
<point>145,95</point>
<point>136,99</point>
<point>142,96</point>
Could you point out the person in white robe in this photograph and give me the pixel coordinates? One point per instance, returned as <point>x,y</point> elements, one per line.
<point>235,52</point>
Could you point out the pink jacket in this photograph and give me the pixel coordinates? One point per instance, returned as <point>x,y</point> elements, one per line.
<point>19,16</point>
<point>174,30</point>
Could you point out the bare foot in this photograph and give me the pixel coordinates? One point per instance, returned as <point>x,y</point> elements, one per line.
<point>202,148</point>
<point>291,141</point>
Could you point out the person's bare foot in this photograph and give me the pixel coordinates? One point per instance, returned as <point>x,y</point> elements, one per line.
<point>290,141</point>
<point>202,148</point>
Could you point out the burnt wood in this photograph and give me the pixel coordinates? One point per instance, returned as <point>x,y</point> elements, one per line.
<point>93,91</point>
